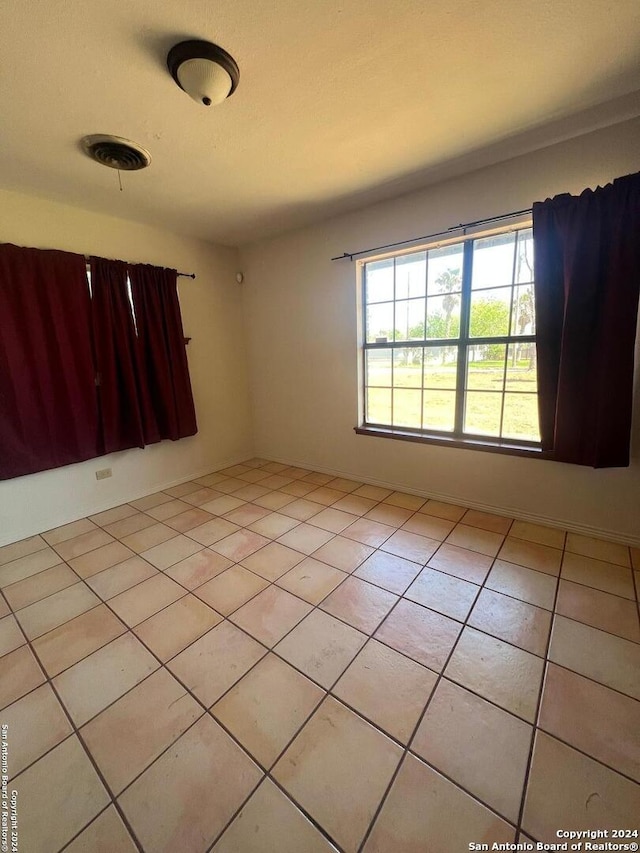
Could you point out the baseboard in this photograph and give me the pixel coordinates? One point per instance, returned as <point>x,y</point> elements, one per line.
<point>562,524</point>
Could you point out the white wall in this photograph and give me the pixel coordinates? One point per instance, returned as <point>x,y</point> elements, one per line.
<point>212,315</point>
<point>301,321</point>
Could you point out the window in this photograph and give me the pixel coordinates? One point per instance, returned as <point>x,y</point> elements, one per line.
<point>449,342</point>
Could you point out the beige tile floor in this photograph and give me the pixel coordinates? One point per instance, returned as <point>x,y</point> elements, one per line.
<point>272,660</point>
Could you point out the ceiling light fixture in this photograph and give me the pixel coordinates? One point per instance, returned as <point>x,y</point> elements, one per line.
<point>206,72</point>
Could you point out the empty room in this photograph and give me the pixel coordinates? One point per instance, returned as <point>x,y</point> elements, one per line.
<point>319,426</point>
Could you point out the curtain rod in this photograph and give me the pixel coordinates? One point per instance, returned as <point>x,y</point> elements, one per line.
<point>352,255</point>
<point>181,274</point>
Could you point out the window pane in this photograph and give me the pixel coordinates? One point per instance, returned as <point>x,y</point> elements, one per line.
<point>380,322</point>
<point>411,275</point>
<point>379,367</point>
<point>490,313</point>
<point>521,368</point>
<point>379,281</point>
<point>410,319</point>
<point>485,367</point>
<point>493,261</point>
<point>439,410</point>
<point>521,417</point>
<point>523,320</point>
<point>407,367</point>
<point>441,367</point>
<point>524,256</point>
<point>445,270</point>
<point>443,316</point>
<point>406,408</point>
<point>482,412</point>
<point>379,406</point>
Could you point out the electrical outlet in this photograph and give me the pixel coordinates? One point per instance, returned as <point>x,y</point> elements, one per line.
<point>103,473</point>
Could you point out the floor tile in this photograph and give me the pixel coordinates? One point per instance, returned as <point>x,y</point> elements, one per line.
<point>411,546</point>
<point>594,719</point>
<point>317,478</point>
<point>461,563</point>
<point>213,664</point>
<point>107,834</point>
<point>338,769</point>
<point>635,558</point>
<point>301,509</point>
<point>28,565</point>
<point>531,555</point>
<point>121,740</point>
<point>201,496</point>
<point>311,580</point>
<point>182,489</point>
<point>69,643</point>
<point>607,659</point>
<point>274,500</point>
<point>272,561</point>
<point>187,520</point>
<point>599,549</point>
<point>342,553</point>
<point>39,586</point>
<point>599,609</point>
<point>93,683</point>
<point>427,525</point>
<point>9,553</point>
<point>478,746</point>
<point>273,524</point>
<point>322,647</point>
<point>305,538</point>
<point>606,577</point>
<point>333,520</point>
<point>246,514</point>
<point>174,628</point>
<point>36,724</point>
<point>198,568</point>
<point>167,510</point>
<point>141,601</point>
<point>213,531</point>
<point>265,709</point>
<point>376,493</point>
<point>474,539</point>
<point>498,671</point>
<point>568,789</point>
<point>19,673</point>
<point>150,501</point>
<point>354,504</point>
<point>5,610</point>
<point>413,502</point>
<point>387,688</point>
<point>231,589</point>
<point>326,496</point>
<point>218,777</point>
<point>419,633</point>
<point>271,822</point>
<point>148,538</point>
<point>394,574</point>
<point>253,490</point>
<point>526,584</point>
<point>57,796</point>
<point>43,616</point>
<point>11,637</point>
<point>451,512</point>
<point>420,805</point>
<point>390,516</point>
<point>538,533</point>
<point>68,531</point>
<point>369,532</point>
<point>131,524</point>
<point>80,545</point>
<point>487,521</point>
<point>101,558</point>
<point>271,615</point>
<point>342,484</point>
<point>444,593</point>
<point>515,621</point>
<point>297,489</point>
<point>240,545</point>
<point>119,578</point>
<point>359,603</point>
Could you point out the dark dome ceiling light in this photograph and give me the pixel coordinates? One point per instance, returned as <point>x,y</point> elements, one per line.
<point>206,72</point>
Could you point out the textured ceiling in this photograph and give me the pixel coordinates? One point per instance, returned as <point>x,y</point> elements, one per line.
<point>340,102</point>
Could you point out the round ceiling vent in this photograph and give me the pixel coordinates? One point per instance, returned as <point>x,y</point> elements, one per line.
<point>116,152</point>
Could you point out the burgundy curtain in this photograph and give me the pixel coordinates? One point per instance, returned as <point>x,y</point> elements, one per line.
<point>48,407</point>
<point>168,411</point>
<point>587,258</point>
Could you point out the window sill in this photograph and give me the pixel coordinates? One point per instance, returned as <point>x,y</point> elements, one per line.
<point>510,449</point>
